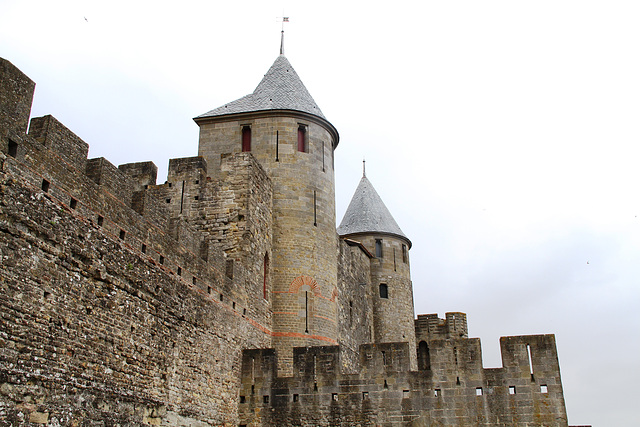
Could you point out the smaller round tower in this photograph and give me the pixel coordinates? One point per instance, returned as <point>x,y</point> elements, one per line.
<point>369,222</point>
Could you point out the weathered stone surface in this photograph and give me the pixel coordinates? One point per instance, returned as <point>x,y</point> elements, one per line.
<point>210,299</point>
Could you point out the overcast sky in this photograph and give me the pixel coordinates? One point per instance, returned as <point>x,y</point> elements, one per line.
<point>502,135</point>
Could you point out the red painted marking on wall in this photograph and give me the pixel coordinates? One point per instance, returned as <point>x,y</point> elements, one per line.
<point>300,281</point>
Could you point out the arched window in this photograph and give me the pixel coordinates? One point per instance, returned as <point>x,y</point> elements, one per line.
<point>378,248</point>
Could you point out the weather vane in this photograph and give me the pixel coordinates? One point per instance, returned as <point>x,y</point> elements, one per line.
<point>282,19</point>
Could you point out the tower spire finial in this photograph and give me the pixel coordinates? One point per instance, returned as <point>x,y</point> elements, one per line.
<point>284,19</point>
<point>364,171</point>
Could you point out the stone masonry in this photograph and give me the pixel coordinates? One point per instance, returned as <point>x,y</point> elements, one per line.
<point>225,296</point>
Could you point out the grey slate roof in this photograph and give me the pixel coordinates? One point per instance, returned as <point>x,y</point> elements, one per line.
<point>280,89</point>
<point>367,213</point>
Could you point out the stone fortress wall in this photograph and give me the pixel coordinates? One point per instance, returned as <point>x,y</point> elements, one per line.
<point>129,302</point>
<point>450,386</point>
<point>114,307</point>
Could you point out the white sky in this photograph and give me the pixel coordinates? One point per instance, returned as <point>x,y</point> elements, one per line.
<point>502,135</point>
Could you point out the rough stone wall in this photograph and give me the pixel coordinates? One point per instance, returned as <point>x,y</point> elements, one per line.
<point>355,312</point>
<point>385,392</point>
<point>108,313</point>
<point>304,259</point>
<point>393,315</point>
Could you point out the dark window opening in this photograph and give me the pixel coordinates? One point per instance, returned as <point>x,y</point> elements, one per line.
<point>197,181</point>
<point>169,185</point>
<point>168,200</point>
<point>100,220</point>
<point>265,267</point>
<point>315,209</point>
<point>437,392</point>
<point>424,360</point>
<point>303,145</point>
<point>365,395</point>
<point>179,271</point>
<point>404,253</point>
<point>195,280</point>
<point>246,138</point>
<point>384,290</point>
<point>209,289</point>
<point>144,248</point>
<point>233,305</point>
<point>45,185</point>
<point>73,203</point>
<point>334,397</point>
<point>378,248</point>
<point>13,149</point>
<point>384,358</point>
<point>196,198</point>
<point>243,399</point>
<point>122,234</point>
<point>161,260</point>
<point>265,399</point>
<point>221,297</point>
<point>296,397</point>
<point>229,269</point>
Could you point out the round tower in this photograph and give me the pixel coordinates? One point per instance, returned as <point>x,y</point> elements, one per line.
<point>368,221</point>
<point>283,128</point>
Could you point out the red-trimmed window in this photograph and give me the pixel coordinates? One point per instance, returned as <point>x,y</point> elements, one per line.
<point>303,145</point>
<point>246,138</point>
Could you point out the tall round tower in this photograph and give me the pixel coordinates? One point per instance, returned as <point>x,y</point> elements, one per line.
<point>369,222</point>
<point>283,128</point>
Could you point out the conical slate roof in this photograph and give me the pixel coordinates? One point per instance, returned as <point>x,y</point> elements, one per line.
<point>367,213</point>
<point>280,89</point>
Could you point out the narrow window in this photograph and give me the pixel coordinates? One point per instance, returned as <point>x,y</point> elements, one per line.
<point>100,220</point>
<point>306,312</point>
<point>265,399</point>
<point>246,138</point>
<point>13,149</point>
<point>243,399</point>
<point>233,305</point>
<point>350,313</point>
<point>384,358</point>
<point>229,269</point>
<point>530,362</point>
<point>179,271</point>
<point>303,145</point>
<point>323,156</point>
<point>478,391</point>
<point>378,248</point>
<point>424,360</point>
<point>265,268</point>
<point>296,397</point>
<point>512,389</point>
<point>144,248</point>
<point>221,297</point>
<point>334,397</point>
<point>437,392</point>
<point>122,234</point>
<point>194,280</point>
<point>394,259</point>
<point>544,389</point>
<point>404,253</point>
<point>209,290</point>
<point>73,203</point>
<point>365,395</point>
<point>315,209</point>
<point>168,200</point>
<point>161,260</point>
<point>384,291</point>
<point>45,185</point>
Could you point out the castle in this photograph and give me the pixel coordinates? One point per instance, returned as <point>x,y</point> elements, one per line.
<point>227,296</point>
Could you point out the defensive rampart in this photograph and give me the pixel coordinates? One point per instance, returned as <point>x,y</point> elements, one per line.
<point>114,307</point>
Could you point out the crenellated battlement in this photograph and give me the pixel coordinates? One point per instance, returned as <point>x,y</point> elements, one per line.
<point>159,303</point>
<point>452,387</point>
